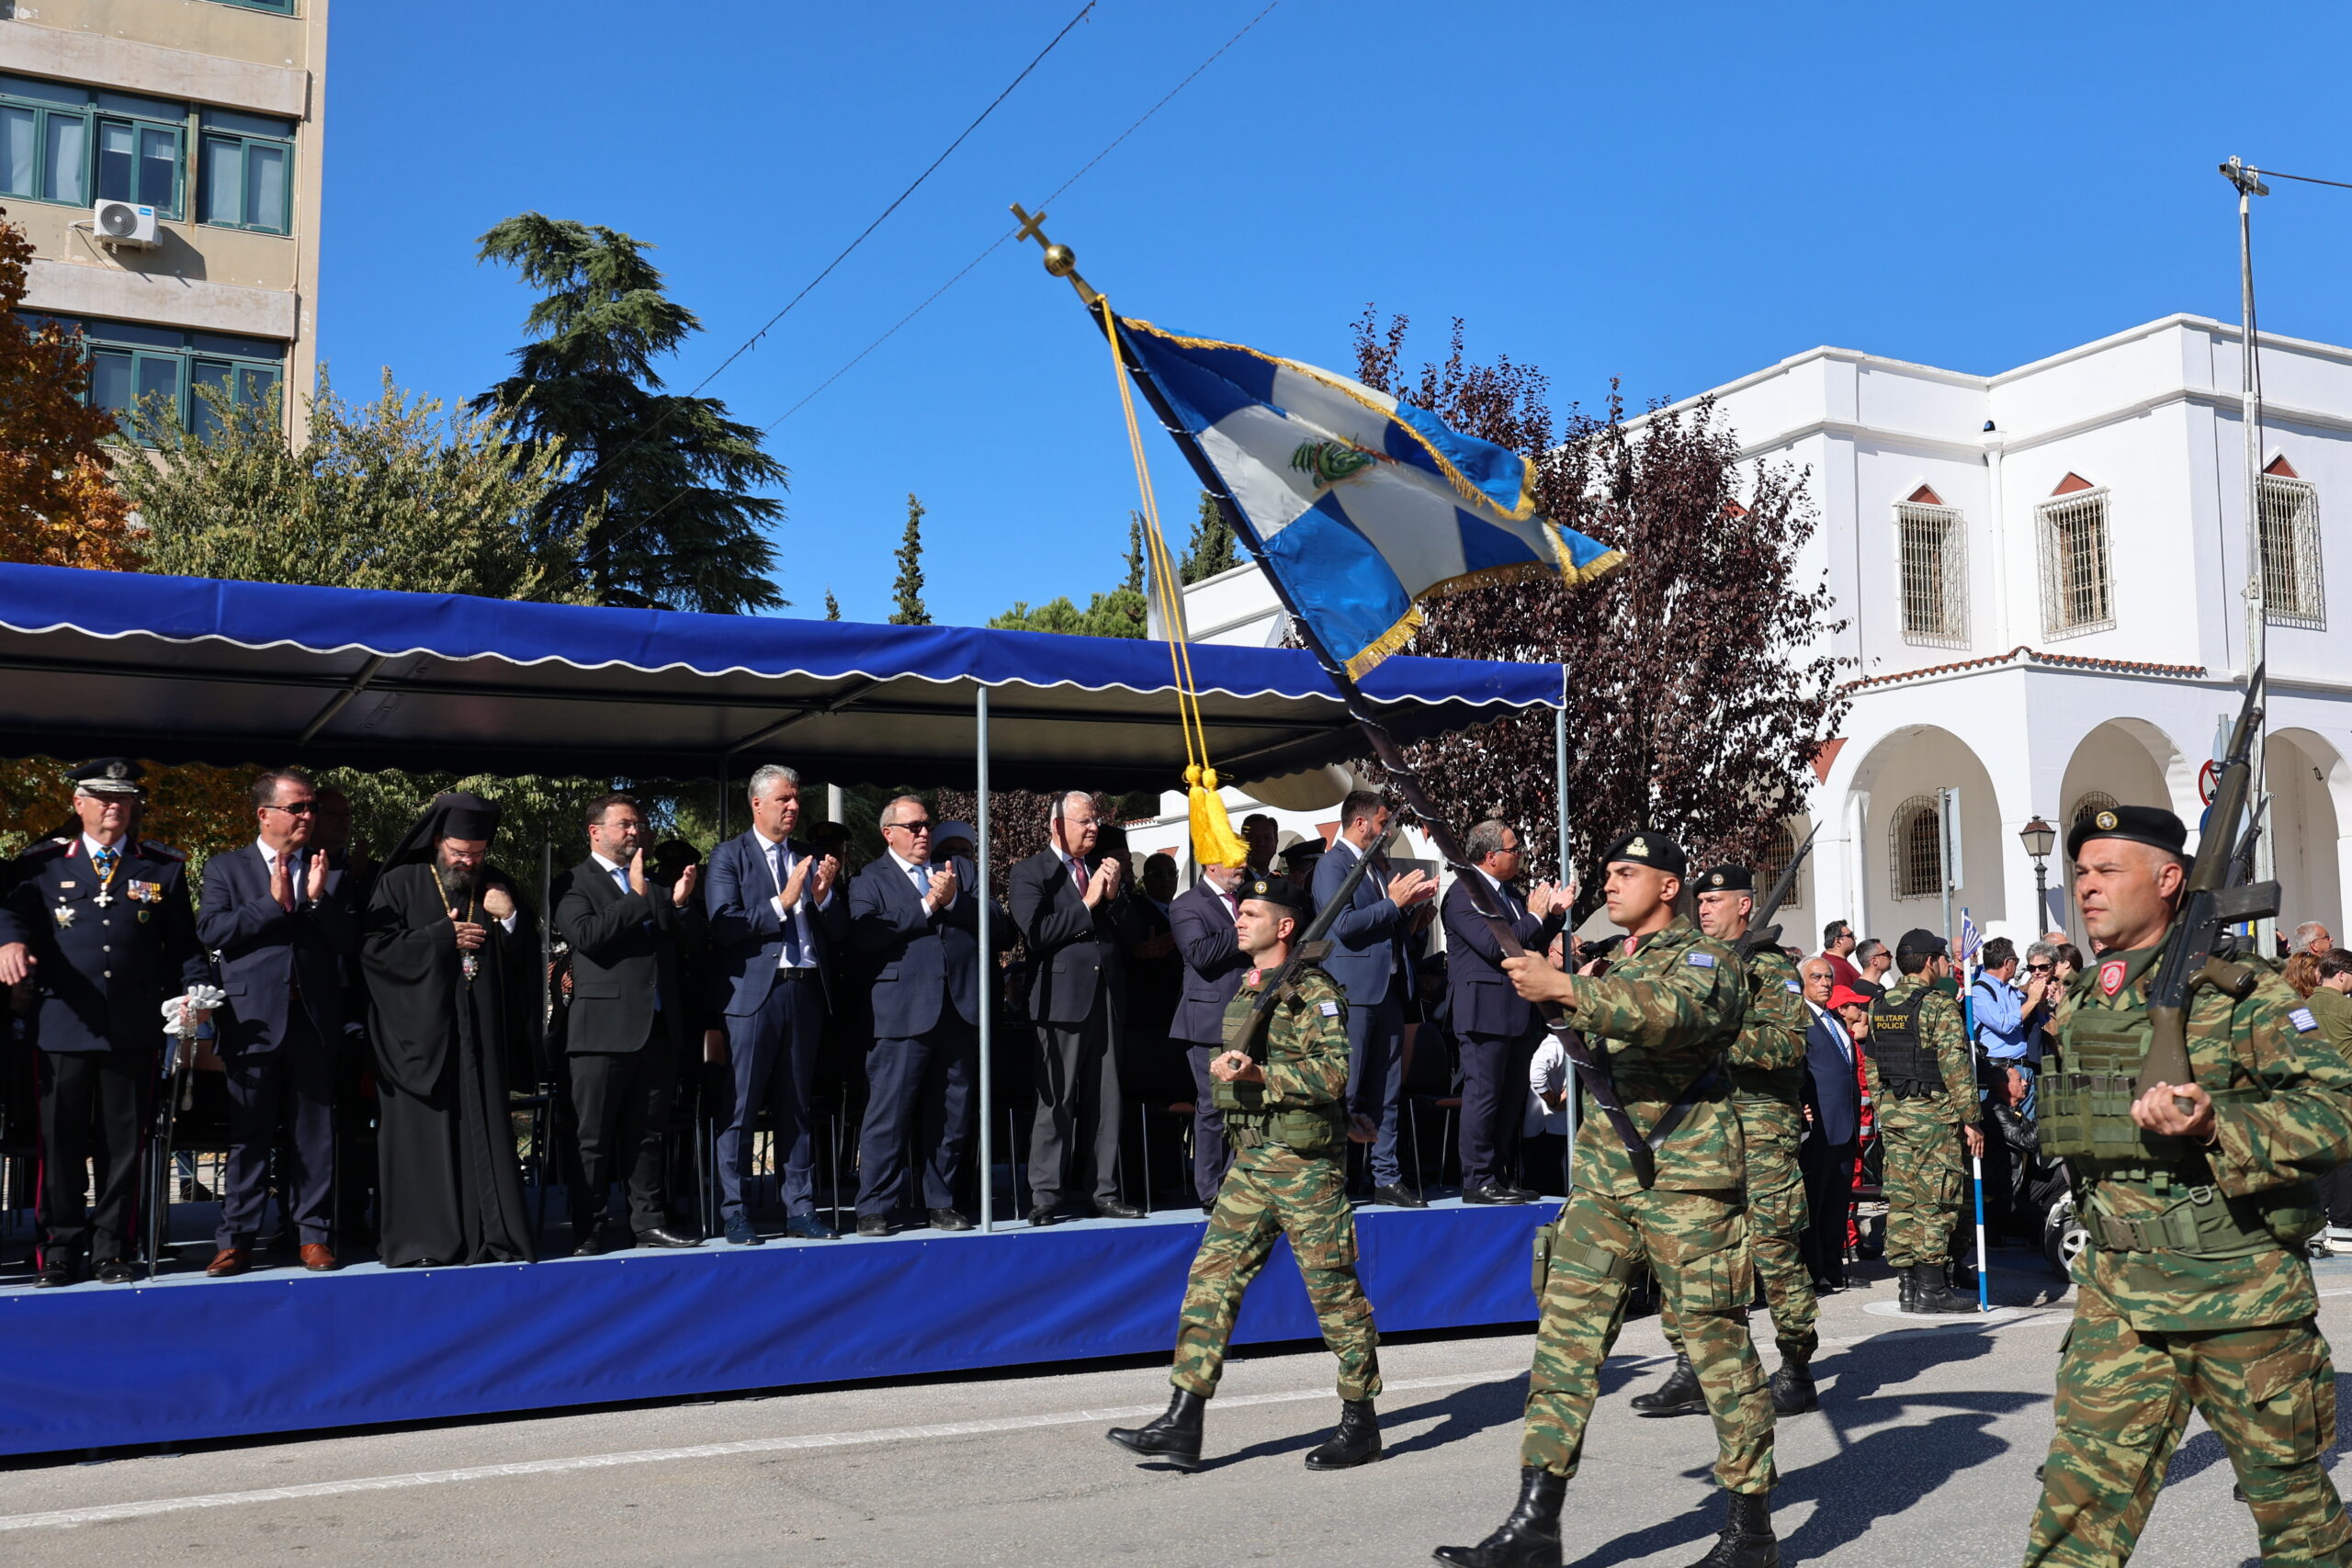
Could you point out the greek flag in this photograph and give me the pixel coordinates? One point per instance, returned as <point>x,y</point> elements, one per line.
<point>1359,505</point>
<point>1972,941</point>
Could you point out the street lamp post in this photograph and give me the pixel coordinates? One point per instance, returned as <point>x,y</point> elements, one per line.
<point>2038,836</point>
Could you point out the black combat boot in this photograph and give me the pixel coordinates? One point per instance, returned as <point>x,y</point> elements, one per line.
<point>1678,1395</point>
<point>1356,1442</point>
<point>1748,1541</point>
<point>1174,1435</point>
<point>1793,1390</point>
<point>1930,1293</point>
<point>1529,1538</point>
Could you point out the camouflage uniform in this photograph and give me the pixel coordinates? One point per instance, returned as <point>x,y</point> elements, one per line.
<point>2194,1291</point>
<point>1288,1178</point>
<point>1665,1015</point>
<point>1919,1135</point>
<point>1768,1091</point>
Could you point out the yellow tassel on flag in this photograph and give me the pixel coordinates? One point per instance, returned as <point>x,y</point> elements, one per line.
<point>1214,840</point>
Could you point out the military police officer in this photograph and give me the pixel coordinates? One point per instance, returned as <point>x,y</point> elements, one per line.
<point>1286,1118</point>
<point>1665,1016</point>
<point>1924,1086</point>
<point>2193,1291</point>
<point>100,923</point>
<point>1766,1066</point>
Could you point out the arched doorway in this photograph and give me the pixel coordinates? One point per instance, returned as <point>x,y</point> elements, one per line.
<point>1893,808</point>
<point>2308,777</point>
<point>2124,760</point>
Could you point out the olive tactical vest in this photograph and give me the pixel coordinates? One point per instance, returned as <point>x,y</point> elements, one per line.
<point>1248,1122</point>
<point>1905,1064</point>
<point>2085,1118</point>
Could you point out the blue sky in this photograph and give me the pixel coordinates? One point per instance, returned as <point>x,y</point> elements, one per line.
<point>1671,195</point>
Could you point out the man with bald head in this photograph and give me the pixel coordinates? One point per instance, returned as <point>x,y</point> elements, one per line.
<point>1066,901</point>
<point>2193,1292</point>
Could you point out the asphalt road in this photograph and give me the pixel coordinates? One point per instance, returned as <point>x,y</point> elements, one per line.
<point>1923,1453</point>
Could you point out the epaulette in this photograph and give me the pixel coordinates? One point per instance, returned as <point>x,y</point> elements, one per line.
<point>161,851</point>
<point>46,849</point>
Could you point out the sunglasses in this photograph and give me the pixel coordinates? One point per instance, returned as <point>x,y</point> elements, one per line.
<point>297,808</point>
<point>2039,968</point>
<point>913,826</point>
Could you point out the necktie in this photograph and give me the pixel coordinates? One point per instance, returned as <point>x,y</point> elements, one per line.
<point>293,882</point>
<point>1078,875</point>
<point>921,881</point>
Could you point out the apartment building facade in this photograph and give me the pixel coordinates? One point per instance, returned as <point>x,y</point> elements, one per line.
<point>164,158</point>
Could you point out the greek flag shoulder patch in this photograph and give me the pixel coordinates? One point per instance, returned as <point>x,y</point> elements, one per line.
<point>2302,1017</point>
<point>1700,961</point>
<point>1794,989</point>
<point>1328,1010</point>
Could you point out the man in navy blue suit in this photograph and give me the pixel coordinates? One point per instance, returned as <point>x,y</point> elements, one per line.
<point>1204,918</point>
<point>283,936</point>
<point>1375,944</point>
<point>916,923</point>
<point>774,918</point>
<point>98,920</point>
<point>1496,1027</point>
<point>1832,1123</point>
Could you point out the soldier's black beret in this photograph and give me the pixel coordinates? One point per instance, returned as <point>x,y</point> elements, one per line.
<point>1273,890</point>
<point>1647,846</point>
<point>1917,940</point>
<point>1727,879</point>
<point>2140,824</point>
<point>107,775</point>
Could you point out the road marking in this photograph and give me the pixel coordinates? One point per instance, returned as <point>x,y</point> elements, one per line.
<point>68,1518</point>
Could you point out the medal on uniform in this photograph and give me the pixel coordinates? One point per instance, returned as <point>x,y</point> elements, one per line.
<point>65,913</point>
<point>2111,977</point>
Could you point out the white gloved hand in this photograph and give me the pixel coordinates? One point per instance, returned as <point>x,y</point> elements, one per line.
<point>179,1013</point>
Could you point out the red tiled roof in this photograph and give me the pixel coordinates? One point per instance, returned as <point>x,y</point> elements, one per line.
<point>2034,656</point>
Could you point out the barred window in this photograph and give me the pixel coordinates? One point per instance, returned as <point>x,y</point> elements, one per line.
<point>1771,861</point>
<point>1918,849</point>
<point>2293,590</point>
<point>1934,543</point>
<point>2078,593</point>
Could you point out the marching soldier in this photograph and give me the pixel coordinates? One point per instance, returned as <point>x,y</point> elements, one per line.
<point>1663,1020</point>
<point>2194,1289</point>
<point>100,923</point>
<point>1924,1085</point>
<point>1287,1120</point>
<point>1767,1072</point>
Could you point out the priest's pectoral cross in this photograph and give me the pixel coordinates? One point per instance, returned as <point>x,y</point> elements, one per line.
<point>469,962</point>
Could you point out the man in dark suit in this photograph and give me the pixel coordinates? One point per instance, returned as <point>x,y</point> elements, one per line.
<point>1065,903</point>
<point>1495,1027</point>
<point>775,918</point>
<point>1375,943</point>
<point>916,924</point>
<point>98,920</point>
<point>1832,1123</point>
<point>283,928</point>
<point>1204,921</point>
<point>629,1024</point>
<point>1150,1068</point>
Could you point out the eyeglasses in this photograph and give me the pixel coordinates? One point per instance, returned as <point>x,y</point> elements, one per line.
<point>916,829</point>
<point>294,808</point>
<point>2039,968</point>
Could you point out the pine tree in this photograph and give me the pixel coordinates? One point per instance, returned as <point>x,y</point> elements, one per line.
<point>1134,552</point>
<point>1211,547</point>
<point>832,607</point>
<point>910,611</point>
<point>658,486</point>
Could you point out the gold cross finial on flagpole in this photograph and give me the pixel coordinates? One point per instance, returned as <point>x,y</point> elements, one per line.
<point>1059,259</point>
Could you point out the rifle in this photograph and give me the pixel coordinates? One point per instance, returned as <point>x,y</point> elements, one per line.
<point>2215,896</point>
<point>179,1094</point>
<point>1311,947</point>
<point>1759,933</point>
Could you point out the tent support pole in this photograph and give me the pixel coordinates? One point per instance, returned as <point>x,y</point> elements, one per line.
<point>987,975</point>
<point>1568,877</point>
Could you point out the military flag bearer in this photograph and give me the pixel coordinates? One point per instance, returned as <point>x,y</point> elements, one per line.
<point>1286,1118</point>
<point>1767,1071</point>
<point>1662,1021</point>
<point>2193,1292</point>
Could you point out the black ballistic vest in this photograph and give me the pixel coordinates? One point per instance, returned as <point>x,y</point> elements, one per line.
<point>1905,1064</point>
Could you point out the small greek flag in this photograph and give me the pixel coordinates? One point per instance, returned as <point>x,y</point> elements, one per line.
<point>1972,941</point>
<point>1358,505</point>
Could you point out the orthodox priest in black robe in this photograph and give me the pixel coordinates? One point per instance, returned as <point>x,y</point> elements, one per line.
<point>449,954</point>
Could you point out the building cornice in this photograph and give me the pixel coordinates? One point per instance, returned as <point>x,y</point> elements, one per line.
<point>2031,657</point>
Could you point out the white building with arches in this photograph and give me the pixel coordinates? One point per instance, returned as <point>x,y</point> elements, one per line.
<point>2041,573</point>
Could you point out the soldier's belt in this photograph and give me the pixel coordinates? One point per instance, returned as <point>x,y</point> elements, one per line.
<point>1915,1088</point>
<point>2201,1223</point>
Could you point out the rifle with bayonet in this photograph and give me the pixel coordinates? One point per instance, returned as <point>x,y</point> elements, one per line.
<point>1761,933</point>
<point>1311,947</point>
<point>2217,895</point>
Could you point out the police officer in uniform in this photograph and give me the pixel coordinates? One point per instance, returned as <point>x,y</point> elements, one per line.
<point>1924,1086</point>
<point>101,923</point>
<point>1767,1071</point>
<point>2194,1292</point>
<point>1286,1118</point>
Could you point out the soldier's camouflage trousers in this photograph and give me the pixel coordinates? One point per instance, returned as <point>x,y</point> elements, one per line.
<point>1776,1221</point>
<point>1271,1191</point>
<point>1696,1243</point>
<point>1924,1180</point>
<point>2123,1397</point>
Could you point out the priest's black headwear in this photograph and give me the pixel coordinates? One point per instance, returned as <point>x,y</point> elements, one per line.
<point>454,813</point>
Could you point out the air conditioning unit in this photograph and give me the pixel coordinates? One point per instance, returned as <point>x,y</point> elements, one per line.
<point>125,223</point>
